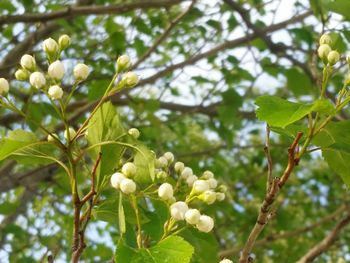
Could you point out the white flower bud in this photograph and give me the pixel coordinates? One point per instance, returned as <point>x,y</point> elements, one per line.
<point>226,261</point>
<point>56,70</point>
<point>37,80</point>
<point>209,197</point>
<point>130,79</point>
<point>212,183</point>
<point>21,74</point>
<point>64,41</point>
<point>161,175</point>
<point>28,62</point>
<point>166,191</point>
<point>52,138</point>
<point>179,166</point>
<point>169,156</point>
<point>127,186</point>
<point>55,92</point>
<point>4,86</point>
<point>50,46</point>
<point>186,172</point>
<point>116,179</point>
<point>129,169</point>
<point>81,71</point>
<point>220,196</point>
<point>192,216</point>
<point>191,179</point>
<point>178,210</point>
<point>123,62</point>
<point>222,188</point>
<point>333,57</point>
<point>208,175</point>
<point>72,133</point>
<point>323,51</point>
<point>161,162</point>
<point>205,224</point>
<point>200,186</point>
<point>325,39</point>
<point>135,133</point>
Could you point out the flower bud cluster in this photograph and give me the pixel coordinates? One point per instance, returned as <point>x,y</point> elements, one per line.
<point>204,188</point>
<point>123,180</point>
<point>325,52</point>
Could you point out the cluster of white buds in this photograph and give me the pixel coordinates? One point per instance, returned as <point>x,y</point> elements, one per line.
<point>204,188</point>
<point>180,211</point>
<point>123,180</point>
<point>325,51</point>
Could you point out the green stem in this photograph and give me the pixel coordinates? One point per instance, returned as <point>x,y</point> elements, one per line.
<point>138,222</point>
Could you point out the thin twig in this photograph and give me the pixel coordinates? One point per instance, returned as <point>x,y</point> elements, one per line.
<point>269,159</point>
<point>270,197</point>
<point>328,241</point>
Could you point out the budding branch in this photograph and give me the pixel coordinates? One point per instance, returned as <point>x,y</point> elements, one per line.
<point>277,184</point>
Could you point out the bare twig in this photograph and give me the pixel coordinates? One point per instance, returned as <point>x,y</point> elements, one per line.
<point>328,241</point>
<point>81,223</point>
<point>270,197</point>
<point>283,235</point>
<point>269,159</point>
<point>73,11</point>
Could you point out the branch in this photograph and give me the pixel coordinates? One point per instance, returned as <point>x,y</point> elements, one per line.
<point>270,197</point>
<point>283,235</point>
<point>73,11</point>
<point>328,241</point>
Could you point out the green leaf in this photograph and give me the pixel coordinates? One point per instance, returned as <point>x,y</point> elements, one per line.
<point>173,249</point>
<point>24,147</point>
<point>280,113</point>
<point>144,160</point>
<point>339,6</point>
<point>105,126</point>
<point>334,140</point>
<point>298,82</point>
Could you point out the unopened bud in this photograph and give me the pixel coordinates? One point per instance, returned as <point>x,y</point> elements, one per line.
<point>37,80</point>
<point>81,71</point>
<point>28,62</point>
<point>200,186</point>
<point>64,41</point>
<point>333,57</point>
<point>208,175</point>
<point>127,186</point>
<point>72,134</point>
<point>325,39</point>
<point>323,52</point>
<point>130,79</point>
<point>129,169</point>
<point>50,46</point>
<point>116,179</point>
<point>166,191</point>
<point>4,86</point>
<point>55,92</point>
<point>123,63</point>
<point>220,196</point>
<point>169,156</point>
<point>186,172</point>
<point>205,224</point>
<point>178,210</point>
<point>53,137</point>
<point>208,197</point>
<point>135,133</point>
<point>179,166</point>
<point>192,216</point>
<point>56,70</point>
<point>21,74</point>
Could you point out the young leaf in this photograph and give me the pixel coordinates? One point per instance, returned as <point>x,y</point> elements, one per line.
<point>105,126</point>
<point>144,160</point>
<point>280,113</point>
<point>335,143</point>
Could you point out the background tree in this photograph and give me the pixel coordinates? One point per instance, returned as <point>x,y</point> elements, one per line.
<point>202,65</point>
